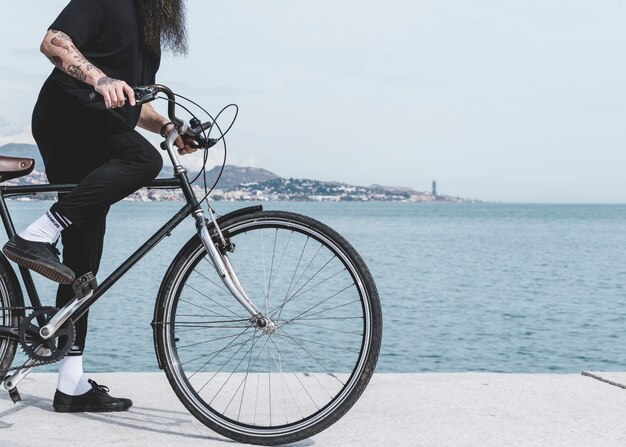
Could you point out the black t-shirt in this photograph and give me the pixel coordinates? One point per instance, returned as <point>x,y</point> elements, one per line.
<point>107,33</point>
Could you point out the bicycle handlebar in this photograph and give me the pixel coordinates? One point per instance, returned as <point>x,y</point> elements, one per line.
<point>147,93</point>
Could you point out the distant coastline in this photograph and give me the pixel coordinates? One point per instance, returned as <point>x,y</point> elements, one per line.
<point>247,184</point>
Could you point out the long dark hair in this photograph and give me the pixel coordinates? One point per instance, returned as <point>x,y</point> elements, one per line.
<point>163,25</point>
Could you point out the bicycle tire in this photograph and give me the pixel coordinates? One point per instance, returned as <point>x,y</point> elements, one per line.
<point>10,296</point>
<point>183,316</point>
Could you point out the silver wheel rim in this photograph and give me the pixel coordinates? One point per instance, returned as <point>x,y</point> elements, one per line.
<point>249,427</point>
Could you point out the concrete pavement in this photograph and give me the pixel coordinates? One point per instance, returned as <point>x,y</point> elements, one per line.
<point>456,409</point>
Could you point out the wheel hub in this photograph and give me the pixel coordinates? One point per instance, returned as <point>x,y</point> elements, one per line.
<point>265,324</point>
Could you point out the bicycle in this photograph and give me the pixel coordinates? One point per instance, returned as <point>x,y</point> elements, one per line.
<point>267,323</point>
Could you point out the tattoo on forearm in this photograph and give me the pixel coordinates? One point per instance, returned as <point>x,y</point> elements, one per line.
<point>81,65</point>
<point>61,35</point>
<point>61,44</point>
<point>77,72</point>
<point>105,81</point>
<point>57,61</point>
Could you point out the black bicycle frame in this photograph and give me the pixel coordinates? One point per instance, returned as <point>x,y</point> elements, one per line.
<point>180,181</point>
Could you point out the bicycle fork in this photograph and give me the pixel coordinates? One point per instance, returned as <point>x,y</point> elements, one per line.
<point>225,270</point>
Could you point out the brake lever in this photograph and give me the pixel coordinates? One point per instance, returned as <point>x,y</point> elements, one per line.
<point>199,142</point>
<point>145,94</point>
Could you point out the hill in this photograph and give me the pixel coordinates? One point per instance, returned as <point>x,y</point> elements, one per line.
<point>233,176</point>
<point>247,183</point>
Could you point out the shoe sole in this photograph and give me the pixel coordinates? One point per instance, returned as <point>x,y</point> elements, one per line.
<point>89,408</point>
<point>42,269</point>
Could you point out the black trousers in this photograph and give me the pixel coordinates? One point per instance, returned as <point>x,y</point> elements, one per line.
<point>106,159</point>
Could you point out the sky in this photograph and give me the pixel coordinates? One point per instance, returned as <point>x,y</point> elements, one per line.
<point>497,100</point>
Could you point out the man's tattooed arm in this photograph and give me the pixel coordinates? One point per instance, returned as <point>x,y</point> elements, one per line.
<point>61,44</point>
<point>77,72</point>
<point>57,61</point>
<point>61,35</point>
<point>105,81</point>
<point>62,52</point>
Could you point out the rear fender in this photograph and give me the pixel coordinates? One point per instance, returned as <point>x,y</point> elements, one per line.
<point>6,270</point>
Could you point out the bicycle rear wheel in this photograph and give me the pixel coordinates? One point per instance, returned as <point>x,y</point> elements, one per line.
<point>10,297</point>
<point>272,385</point>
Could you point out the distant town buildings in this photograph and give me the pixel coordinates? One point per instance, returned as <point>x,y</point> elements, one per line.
<point>254,184</point>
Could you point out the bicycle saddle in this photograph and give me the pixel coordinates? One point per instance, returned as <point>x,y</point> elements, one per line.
<point>13,167</point>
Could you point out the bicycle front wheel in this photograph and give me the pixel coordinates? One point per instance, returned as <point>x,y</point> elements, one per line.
<point>285,382</point>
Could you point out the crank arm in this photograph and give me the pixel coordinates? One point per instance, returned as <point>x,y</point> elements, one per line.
<point>83,289</point>
<point>10,383</point>
<point>59,319</point>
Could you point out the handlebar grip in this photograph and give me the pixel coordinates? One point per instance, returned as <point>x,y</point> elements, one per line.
<point>143,94</point>
<point>95,101</point>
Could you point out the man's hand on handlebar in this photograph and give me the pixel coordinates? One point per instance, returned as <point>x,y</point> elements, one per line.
<point>115,92</point>
<point>186,148</point>
<point>185,145</point>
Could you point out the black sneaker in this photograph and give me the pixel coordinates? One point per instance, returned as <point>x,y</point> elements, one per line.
<point>97,399</point>
<point>41,257</point>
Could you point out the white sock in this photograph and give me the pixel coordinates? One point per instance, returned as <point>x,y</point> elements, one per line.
<point>47,228</point>
<point>72,381</point>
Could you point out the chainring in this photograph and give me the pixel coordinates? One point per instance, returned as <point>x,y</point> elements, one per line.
<point>42,350</point>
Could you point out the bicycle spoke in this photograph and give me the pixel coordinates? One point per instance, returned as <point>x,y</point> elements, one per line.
<point>264,273</point>
<point>288,387</point>
<point>193,328</point>
<point>245,380</point>
<point>219,286</point>
<point>306,241</point>
<point>280,263</point>
<point>293,297</point>
<point>326,345</point>
<point>256,265</point>
<point>285,334</point>
<point>228,346</point>
<point>303,285</point>
<point>248,354</point>
<point>322,302</point>
<point>317,326</point>
<point>269,381</point>
<point>220,370</point>
<point>325,318</point>
<point>329,309</point>
<point>303,272</point>
<point>269,284</point>
<point>212,300</point>
<point>312,375</point>
<point>203,342</point>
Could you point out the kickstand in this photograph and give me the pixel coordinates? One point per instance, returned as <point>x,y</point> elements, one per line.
<point>15,395</point>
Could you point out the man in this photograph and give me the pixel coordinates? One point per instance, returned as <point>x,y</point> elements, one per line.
<point>106,46</point>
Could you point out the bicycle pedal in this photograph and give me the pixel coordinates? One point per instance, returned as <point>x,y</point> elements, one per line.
<point>84,285</point>
<point>15,395</point>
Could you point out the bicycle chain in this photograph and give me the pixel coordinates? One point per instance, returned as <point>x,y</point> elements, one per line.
<point>37,363</point>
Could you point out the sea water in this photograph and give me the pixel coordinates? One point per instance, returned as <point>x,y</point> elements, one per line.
<point>464,287</point>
